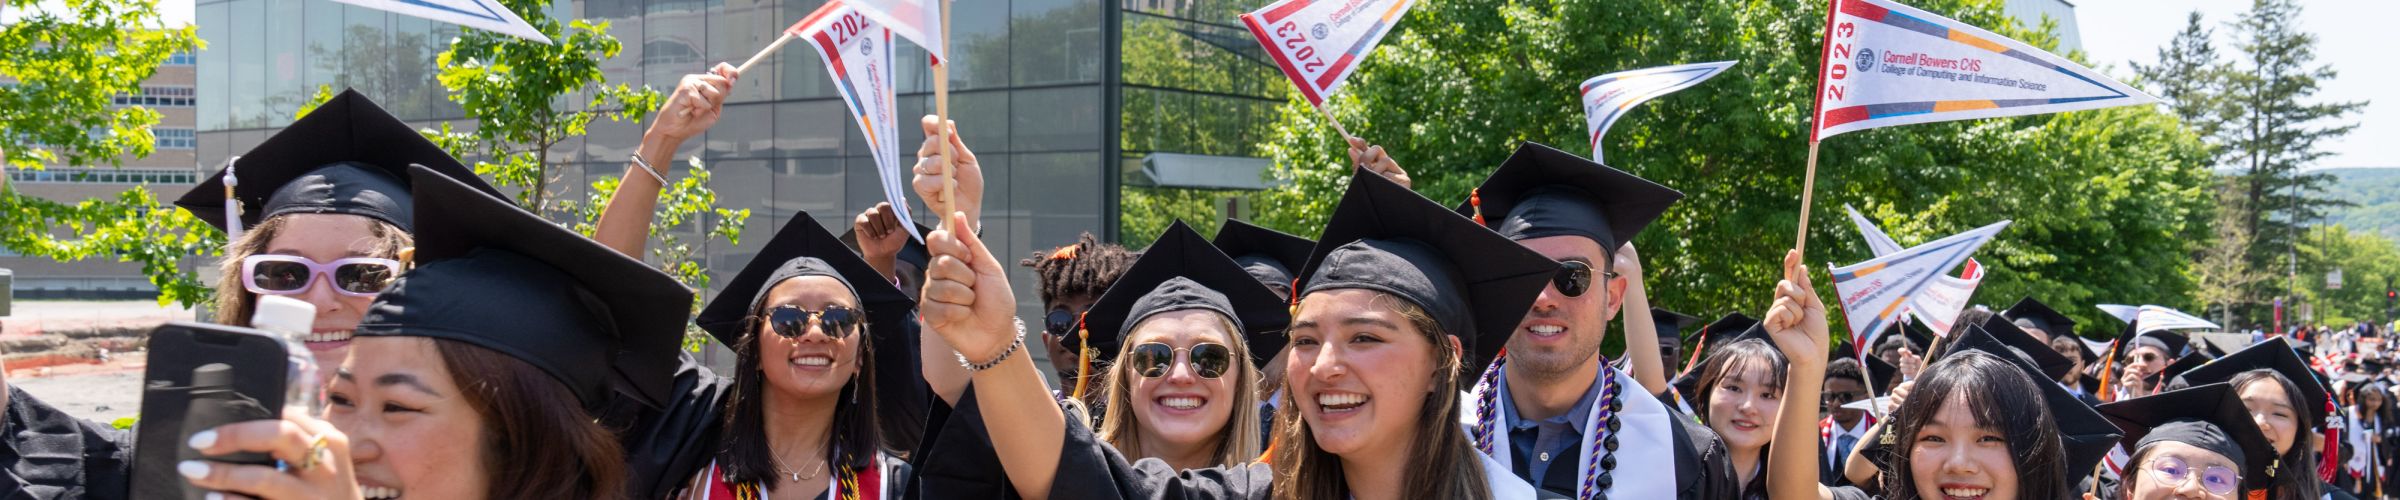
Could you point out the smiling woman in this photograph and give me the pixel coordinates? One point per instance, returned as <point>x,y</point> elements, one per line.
<point>1179,329</point>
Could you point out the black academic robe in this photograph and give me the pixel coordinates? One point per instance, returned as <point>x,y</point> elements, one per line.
<point>960,463</point>
<point>1703,468</point>
<point>664,446</point>
<point>45,454</point>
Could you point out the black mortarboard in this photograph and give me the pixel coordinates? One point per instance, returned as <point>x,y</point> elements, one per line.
<point>2034,313</point>
<point>495,276</point>
<point>2275,354</point>
<point>1722,330</point>
<point>2052,364</point>
<point>911,251</point>
<point>1671,323</point>
<point>1182,271</point>
<point>2172,342</point>
<point>346,157</point>
<point>804,248</point>
<point>1476,284</point>
<point>2210,417</point>
<point>1541,191</point>
<point>1883,375</point>
<point>1268,255</point>
<point>1688,383</point>
<point>2087,436</point>
<point>2183,364</point>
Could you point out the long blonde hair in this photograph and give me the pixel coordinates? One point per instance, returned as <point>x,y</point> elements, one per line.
<point>235,302</point>
<point>1441,460</point>
<point>1238,443</point>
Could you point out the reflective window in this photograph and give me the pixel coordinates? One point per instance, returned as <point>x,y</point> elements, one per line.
<point>216,67</point>
<point>812,185</point>
<point>1063,119</point>
<point>248,107</point>
<point>285,64</point>
<point>811,128</point>
<point>1056,41</point>
<point>743,131</point>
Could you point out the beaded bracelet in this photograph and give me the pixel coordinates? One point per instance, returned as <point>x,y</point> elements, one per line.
<point>1019,343</point>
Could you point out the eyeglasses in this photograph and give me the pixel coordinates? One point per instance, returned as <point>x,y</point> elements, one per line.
<point>291,274</point>
<point>1575,277</point>
<point>792,321</point>
<point>2216,478</point>
<point>1059,322</point>
<point>1209,360</point>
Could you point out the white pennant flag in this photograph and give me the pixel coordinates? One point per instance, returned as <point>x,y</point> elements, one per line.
<point>2152,318</point>
<point>858,54</point>
<point>487,15</point>
<point>1318,43</point>
<point>2121,312</point>
<point>1939,305</point>
<point>1607,97</point>
<point>918,21</point>
<point>1873,292</point>
<point>1889,64</point>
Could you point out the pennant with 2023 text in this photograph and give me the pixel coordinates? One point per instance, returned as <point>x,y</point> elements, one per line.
<point>487,15</point>
<point>858,54</point>
<point>1939,305</point>
<point>1318,43</point>
<point>918,21</point>
<point>1607,97</point>
<point>1889,64</point>
<point>1873,292</point>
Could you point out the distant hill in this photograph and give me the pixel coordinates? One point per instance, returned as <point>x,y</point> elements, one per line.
<point>2377,193</point>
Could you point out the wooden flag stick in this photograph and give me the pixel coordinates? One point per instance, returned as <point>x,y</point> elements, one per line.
<point>763,53</point>
<point>941,106</point>
<point>1808,191</point>
<point>1337,124</point>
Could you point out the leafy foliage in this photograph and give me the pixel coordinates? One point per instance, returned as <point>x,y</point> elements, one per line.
<point>2109,205</point>
<point>66,62</point>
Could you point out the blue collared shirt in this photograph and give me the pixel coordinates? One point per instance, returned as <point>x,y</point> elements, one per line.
<point>1537,443</point>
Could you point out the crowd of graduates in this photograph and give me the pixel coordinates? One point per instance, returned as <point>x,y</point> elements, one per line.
<point>1413,348</point>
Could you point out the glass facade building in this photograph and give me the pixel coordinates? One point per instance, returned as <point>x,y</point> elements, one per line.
<point>1062,100</point>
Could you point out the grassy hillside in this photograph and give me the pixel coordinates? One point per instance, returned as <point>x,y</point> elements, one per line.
<point>2377,193</point>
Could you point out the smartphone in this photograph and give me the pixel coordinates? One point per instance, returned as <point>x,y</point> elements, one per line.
<point>202,376</point>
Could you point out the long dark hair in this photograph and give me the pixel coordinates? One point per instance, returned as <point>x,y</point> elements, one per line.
<point>2295,474</point>
<point>1724,362</point>
<point>746,458</point>
<point>1441,459</point>
<point>2000,397</point>
<point>537,441</point>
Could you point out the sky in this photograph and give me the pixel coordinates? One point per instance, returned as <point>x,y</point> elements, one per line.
<point>2116,32</point>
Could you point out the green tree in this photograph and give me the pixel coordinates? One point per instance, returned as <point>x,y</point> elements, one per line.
<point>65,62</point>
<point>2275,131</point>
<point>514,89</point>
<point>2367,262</point>
<point>2109,204</point>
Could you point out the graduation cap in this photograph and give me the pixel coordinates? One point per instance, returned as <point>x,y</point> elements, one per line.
<point>1268,255</point>
<point>2275,354</point>
<point>2210,417</point>
<point>804,248</point>
<point>495,276</point>
<point>2029,313</point>
<point>1671,323</point>
<point>1688,383</point>
<point>1541,191</point>
<point>1885,375</point>
<point>2171,342</point>
<point>1181,272</point>
<point>1475,283</point>
<point>346,157</point>
<point>2086,434</point>
<point>1722,330</point>
<point>2183,364</point>
<point>912,251</point>
<point>2053,365</point>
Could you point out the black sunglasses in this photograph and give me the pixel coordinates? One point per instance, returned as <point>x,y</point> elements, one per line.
<point>1575,277</point>
<point>1059,323</point>
<point>792,321</point>
<point>1209,360</point>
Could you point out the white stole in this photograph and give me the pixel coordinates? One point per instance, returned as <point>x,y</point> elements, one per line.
<point>1645,441</point>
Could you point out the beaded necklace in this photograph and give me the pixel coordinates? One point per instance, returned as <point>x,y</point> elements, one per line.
<point>1596,474</point>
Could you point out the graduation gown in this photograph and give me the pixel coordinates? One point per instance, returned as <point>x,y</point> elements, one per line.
<point>45,454</point>
<point>664,446</point>
<point>1654,441</point>
<point>959,462</point>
